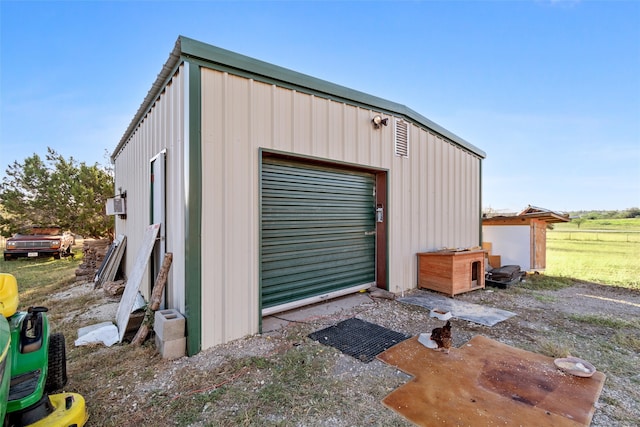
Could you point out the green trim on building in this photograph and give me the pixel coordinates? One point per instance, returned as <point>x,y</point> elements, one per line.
<point>260,157</point>
<point>480,238</point>
<point>193,212</point>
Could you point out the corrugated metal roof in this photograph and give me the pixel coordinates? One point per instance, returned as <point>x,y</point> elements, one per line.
<point>529,212</point>
<point>217,58</point>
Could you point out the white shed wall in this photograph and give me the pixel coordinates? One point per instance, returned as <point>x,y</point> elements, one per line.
<point>511,242</point>
<point>433,196</point>
<point>162,128</point>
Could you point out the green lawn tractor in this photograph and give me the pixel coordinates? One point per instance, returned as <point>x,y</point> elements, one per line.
<point>32,366</point>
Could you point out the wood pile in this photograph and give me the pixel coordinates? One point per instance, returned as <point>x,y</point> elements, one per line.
<point>94,252</point>
<point>114,288</point>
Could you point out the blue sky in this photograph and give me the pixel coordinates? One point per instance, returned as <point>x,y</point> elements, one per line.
<point>550,90</point>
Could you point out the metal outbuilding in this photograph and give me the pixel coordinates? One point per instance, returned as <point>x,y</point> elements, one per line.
<point>275,189</point>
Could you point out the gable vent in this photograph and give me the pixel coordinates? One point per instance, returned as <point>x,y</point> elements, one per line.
<point>402,138</point>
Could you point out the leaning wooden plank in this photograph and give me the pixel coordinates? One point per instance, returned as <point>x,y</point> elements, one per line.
<point>154,301</point>
<point>133,283</point>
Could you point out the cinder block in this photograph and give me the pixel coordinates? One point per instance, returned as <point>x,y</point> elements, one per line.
<point>169,324</point>
<point>172,349</point>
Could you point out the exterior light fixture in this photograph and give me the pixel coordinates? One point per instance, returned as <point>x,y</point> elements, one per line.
<point>378,121</point>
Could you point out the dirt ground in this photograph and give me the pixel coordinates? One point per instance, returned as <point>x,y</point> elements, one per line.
<point>285,378</point>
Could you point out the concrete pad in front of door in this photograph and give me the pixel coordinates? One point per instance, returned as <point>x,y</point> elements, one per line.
<point>313,312</point>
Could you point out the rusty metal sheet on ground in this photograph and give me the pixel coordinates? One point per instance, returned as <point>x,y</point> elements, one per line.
<point>485,382</point>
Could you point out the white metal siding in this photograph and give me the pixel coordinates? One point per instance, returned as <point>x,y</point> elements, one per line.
<point>433,195</point>
<point>161,128</point>
<point>511,242</point>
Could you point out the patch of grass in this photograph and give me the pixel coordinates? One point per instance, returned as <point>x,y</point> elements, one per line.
<point>113,361</point>
<point>248,391</point>
<point>256,362</point>
<point>543,282</point>
<point>554,349</point>
<point>33,274</point>
<point>619,224</point>
<point>601,321</point>
<point>296,383</point>
<point>189,384</point>
<point>298,366</point>
<point>612,263</point>
<point>616,361</point>
<point>188,411</point>
<point>628,341</point>
<point>609,400</point>
<point>545,298</point>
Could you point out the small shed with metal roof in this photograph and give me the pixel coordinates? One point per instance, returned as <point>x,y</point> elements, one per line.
<point>275,189</point>
<point>521,239</point>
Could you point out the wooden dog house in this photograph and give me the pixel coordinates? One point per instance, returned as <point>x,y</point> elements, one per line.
<point>451,272</point>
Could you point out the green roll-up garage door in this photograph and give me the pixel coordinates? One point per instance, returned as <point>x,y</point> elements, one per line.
<point>317,230</point>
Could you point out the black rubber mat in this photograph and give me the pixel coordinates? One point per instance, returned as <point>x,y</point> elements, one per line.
<point>360,339</point>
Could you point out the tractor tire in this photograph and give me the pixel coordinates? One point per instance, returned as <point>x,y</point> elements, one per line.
<point>57,371</point>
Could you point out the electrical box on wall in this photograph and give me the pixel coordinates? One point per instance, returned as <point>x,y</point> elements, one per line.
<point>116,206</point>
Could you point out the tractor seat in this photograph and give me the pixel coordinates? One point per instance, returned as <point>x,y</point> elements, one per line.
<point>8,294</point>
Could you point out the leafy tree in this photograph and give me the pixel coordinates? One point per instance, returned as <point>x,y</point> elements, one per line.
<point>56,191</point>
<point>627,213</point>
<point>578,221</point>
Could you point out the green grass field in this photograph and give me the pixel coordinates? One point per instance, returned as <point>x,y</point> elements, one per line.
<point>604,251</point>
<point>41,273</point>
<point>626,224</point>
